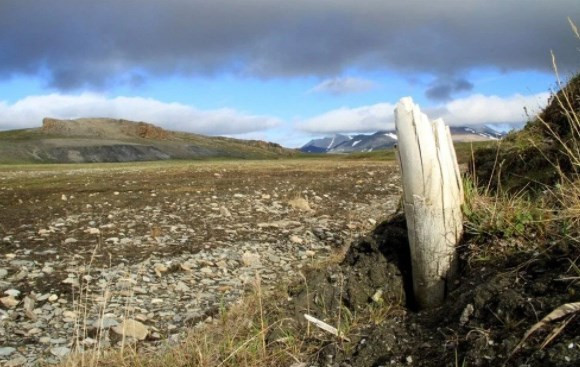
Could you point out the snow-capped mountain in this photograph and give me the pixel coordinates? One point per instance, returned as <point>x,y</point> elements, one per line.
<point>325,144</point>
<point>475,133</point>
<point>367,143</point>
<point>387,139</point>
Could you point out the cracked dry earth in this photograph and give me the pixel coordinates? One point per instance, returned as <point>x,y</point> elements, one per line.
<point>94,254</point>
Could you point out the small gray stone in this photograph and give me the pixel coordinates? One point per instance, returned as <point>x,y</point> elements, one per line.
<point>182,287</point>
<point>274,258</point>
<point>225,212</point>
<point>251,259</point>
<point>16,362</point>
<point>6,351</point>
<point>60,351</point>
<point>105,323</point>
<point>12,292</point>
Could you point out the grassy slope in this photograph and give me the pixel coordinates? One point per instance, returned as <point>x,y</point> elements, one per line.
<point>16,146</point>
<point>541,153</point>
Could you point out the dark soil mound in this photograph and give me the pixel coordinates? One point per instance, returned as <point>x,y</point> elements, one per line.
<point>480,324</point>
<point>535,156</point>
<point>369,267</point>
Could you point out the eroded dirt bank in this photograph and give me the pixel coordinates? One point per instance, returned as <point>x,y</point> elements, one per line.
<point>496,300</point>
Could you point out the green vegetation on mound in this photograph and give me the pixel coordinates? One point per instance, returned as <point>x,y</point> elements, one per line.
<point>540,154</point>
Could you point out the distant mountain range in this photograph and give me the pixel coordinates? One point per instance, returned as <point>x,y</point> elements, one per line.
<point>110,140</point>
<point>339,143</point>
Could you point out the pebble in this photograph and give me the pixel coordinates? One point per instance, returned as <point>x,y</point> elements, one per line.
<point>69,315</point>
<point>300,204</point>
<point>60,351</point>
<point>159,269</point>
<point>105,323</point>
<point>251,259</point>
<point>225,212</point>
<point>296,239</point>
<point>132,328</point>
<point>16,362</point>
<point>6,351</point>
<point>12,292</point>
<point>34,331</point>
<point>9,301</point>
<point>72,281</point>
<point>182,287</point>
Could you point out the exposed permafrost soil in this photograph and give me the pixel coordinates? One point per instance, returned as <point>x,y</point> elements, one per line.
<point>480,324</point>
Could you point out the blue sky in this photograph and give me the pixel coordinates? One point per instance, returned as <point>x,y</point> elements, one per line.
<point>278,70</point>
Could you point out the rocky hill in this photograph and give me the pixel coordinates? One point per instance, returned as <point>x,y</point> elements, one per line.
<point>103,127</point>
<point>339,143</point>
<point>110,140</point>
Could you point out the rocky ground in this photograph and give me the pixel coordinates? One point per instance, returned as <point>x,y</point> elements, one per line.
<point>90,255</point>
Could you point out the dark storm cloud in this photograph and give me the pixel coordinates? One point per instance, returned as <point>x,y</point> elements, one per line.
<point>443,89</point>
<point>76,43</point>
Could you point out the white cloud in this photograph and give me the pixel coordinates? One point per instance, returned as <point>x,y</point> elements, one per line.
<point>479,109</point>
<point>29,112</point>
<point>473,110</point>
<point>344,120</point>
<point>347,85</point>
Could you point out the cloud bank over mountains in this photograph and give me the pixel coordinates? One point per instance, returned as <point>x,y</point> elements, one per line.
<point>473,110</point>
<point>77,44</point>
<point>29,112</point>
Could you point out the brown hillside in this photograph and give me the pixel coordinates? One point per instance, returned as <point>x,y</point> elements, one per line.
<point>103,128</point>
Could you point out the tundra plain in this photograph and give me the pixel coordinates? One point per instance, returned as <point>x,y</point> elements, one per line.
<point>167,245</point>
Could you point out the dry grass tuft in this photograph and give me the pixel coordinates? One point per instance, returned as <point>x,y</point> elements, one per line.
<point>236,337</point>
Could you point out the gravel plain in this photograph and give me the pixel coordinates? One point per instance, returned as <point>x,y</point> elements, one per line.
<point>97,255</point>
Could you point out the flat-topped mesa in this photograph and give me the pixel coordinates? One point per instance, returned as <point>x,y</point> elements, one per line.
<point>103,128</point>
